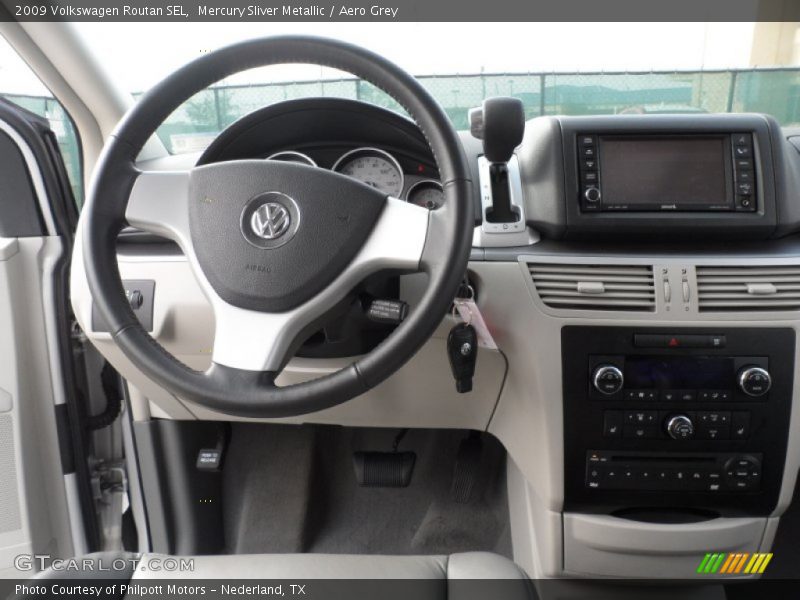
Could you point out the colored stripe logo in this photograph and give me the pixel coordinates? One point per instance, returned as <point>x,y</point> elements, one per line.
<point>734,563</point>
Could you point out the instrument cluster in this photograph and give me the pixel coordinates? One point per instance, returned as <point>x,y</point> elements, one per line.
<point>379,169</point>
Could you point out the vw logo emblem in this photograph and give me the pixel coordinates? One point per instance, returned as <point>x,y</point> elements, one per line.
<point>270,220</point>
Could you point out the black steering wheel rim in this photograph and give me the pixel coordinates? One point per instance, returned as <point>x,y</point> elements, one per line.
<point>253,393</point>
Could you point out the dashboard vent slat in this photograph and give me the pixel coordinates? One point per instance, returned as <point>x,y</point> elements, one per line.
<point>594,287</point>
<point>748,289</point>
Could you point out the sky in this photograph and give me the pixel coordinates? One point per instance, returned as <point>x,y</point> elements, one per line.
<point>138,55</point>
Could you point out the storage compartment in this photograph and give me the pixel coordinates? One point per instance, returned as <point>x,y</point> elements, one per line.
<point>607,546</point>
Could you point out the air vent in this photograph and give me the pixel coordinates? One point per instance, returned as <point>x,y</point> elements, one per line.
<point>737,289</point>
<point>595,287</point>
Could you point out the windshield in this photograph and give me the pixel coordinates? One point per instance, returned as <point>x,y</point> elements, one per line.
<point>561,68</point>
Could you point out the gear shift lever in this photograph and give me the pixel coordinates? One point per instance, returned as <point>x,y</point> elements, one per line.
<point>500,123</point>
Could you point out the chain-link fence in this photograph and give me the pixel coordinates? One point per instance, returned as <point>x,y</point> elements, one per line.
<point>772,91</point>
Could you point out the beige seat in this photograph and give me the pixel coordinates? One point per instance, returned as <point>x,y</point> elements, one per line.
<point>464,576</point>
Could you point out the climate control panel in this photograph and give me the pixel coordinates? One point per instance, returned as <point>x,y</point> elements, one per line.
<point>700,415</point>
<point>752,380</point>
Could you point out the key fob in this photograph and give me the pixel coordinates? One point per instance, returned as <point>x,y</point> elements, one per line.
<point>462,350</point>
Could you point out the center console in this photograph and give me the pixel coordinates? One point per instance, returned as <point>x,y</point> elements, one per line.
<point>679,420</point>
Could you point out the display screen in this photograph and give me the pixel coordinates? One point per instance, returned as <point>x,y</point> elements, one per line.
<point>679,173</point>
<point>662,372</point>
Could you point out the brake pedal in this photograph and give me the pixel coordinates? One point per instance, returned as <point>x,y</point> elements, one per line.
<point>465,473</point>
<point>384,469</point>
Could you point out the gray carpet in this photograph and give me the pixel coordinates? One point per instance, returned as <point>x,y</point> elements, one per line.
<point>293,489</point>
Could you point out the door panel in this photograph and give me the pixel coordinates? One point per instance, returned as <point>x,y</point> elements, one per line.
<point>37,514</point>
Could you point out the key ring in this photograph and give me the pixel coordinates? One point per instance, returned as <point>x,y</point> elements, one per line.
<point>470,292</point>
<point>457,314</point>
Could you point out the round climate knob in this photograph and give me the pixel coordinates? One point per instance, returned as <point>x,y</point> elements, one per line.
<point>754,381</point>
<point>680,427</point>
<point>592,194</point>
<point>607,379</point>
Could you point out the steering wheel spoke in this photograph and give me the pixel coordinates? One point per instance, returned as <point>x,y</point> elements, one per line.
<point>397,240</point>
<point>158,203</point>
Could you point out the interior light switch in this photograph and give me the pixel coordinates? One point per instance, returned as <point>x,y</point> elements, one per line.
<point>139,293</point>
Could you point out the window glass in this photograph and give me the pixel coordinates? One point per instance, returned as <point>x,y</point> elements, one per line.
<point>19,85</point>
<point>561,68</point>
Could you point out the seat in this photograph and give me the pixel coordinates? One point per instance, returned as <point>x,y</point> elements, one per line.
<point>463,576</point>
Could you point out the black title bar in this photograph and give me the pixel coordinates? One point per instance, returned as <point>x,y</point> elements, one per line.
<point>399,10</point>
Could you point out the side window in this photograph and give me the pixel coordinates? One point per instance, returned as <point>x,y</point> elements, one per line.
<point>19,85</point>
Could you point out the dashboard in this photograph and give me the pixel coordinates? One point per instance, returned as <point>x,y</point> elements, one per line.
<point>653,246</point>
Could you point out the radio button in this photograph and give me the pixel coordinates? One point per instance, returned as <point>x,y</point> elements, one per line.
<point>744,164</point>
<point>754,381</point>
<point>639,432</point>
<point>714,417</point>
<point>744,189</point>
<point>743,473</point>
<point>740,426</point>
<point>641,417</point>
<point>697,479</point>
<point>718,341</point>
<point>713,433</point>
<point>592,194</point>
<point>714,395</point>
<point>608,379</point>
<point>612,423</point>
<point>641,395</point>
<point>680,427</point>
<point>611,475</point>
<point>678,395</point>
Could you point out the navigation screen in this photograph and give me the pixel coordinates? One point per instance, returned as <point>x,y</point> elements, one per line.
<point>685,173</point>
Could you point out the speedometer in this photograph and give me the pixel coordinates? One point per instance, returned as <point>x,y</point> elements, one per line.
<point>374,167</point>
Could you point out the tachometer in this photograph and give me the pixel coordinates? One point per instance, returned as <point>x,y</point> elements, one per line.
<point>374,167</point>
<point>427,193</point>
<point>293,156</point>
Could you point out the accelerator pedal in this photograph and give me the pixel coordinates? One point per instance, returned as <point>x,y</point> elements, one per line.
<point>384,469</point>
<point>465,473</point>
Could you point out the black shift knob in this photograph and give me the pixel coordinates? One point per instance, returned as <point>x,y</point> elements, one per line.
<point>500,123</point>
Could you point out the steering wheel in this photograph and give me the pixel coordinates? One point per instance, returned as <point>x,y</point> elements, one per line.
<point>275,244</point>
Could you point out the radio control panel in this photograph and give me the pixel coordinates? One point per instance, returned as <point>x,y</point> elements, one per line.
<point>698,415</point>
<point>724,472</point>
